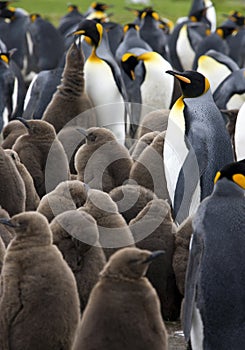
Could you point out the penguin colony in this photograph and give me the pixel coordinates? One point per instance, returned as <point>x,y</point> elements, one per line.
<point>122,179</point>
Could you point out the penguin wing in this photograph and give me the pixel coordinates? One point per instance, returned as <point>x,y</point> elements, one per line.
<point>192,275</point>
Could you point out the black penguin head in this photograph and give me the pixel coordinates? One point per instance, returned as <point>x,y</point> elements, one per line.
<point>128,63</point>
<point>149,12</point>
<point>129,26</point>
<point>72,7</point>
<point>34,17</point>
<point>99,6</point>
<point>8,13</point>
<point>192,83</point>
<point>224,31</point>
<point>90,29</point>
<point>234,172</point>
<point>129,263</point>
<point>237,18</point>
<point>137,13</point>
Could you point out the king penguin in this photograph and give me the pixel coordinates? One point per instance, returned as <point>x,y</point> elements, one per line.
<point>153,79</point>
<point>103,81</point>
<point>213,311</point>
<point>197,144</point>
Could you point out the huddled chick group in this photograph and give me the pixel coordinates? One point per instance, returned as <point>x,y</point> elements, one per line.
<point>121,145</point>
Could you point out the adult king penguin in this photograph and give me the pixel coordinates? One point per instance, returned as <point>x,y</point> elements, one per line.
<point>213,312</point>
<point>103,81</point>
<point>197,144</point>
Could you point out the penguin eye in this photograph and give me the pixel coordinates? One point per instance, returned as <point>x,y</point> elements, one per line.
<point>91,137</point>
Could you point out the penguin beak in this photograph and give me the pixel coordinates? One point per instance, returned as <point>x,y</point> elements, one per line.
<point>23,121</point>
<point>153,256</point>
<point>82,131</point>
<point>179,76</point>
<point>7,222</point>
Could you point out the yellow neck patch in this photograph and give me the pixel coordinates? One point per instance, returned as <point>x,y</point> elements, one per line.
<point>4,58</point>
<point>100,30</point>
<point>217,176</point>
<point>126,56</point>
<point>207,85</point>
<point>239,179</point>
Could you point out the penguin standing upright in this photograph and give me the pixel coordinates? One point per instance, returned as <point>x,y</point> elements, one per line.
<point>213,312</point>
<point>123,311</point>
<point>103,81</point>
<point>197,144</point>
<point>43,155</point>
<point>39,307</point>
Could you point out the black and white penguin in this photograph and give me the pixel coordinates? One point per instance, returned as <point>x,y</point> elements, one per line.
<point>213,316</point>
<point>197,144</point>
<point>103,81</point>
<point>239,134</point>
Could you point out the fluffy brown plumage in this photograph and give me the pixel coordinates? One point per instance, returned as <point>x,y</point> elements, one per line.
<point>131,199</point>
<point>181,252</point>
<point>2,253</point>
<point>6,232</point>
<point>43,156</point>
<point>102,162</point>
<point>70,99</point>
<point>12,188</point>
<point>123,311</point>
<point>76,235</point>
<point>11,132</point>
<point>68,195</point>
<point>148,170</point>
<point>39,306</point>
<point>154,121</point>
<point>114,232</point>
<point>153,228</point>
<point>32,198</point>
<point>142,143</point>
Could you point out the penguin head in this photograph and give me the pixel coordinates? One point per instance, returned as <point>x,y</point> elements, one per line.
<point>237,18</point>
<point>98,6</point>
<point>75,56</point>
<point>38,128</point>
<point>150,13</point>
<point>128,62</point>
<point>6,56</point>
<point>8,13</point>
<point>129,263</point>
<point>97,136</point>
<point>72,7</point>
<point>234,172</point>
<point>225,31</point>
<point>92,30</point>
<point>29,224</point>
<point>34,17</point>
<point>192,83</point>
<point>130,26</point>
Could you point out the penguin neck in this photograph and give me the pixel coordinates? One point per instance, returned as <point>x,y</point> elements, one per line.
<point>72,82</point>
<point>227,188</point>
<point>176,114</point>
<point>119,277</point>
<point>93,57</point>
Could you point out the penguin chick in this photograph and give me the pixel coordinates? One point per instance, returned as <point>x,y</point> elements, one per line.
<point>131,199</point>
<point>181,252</point>
<point>153,228</point>
<point>39,307</point>
<point>154,121</point>
<point>6,232</point>
<point>11,132</point>
<point>68,195</point>
<point>148,169</point>
<point>102,162</point>
<point>12,187</point>
<point>43,155</point>
<point>76,235</point>
<point>113,230</point>
<point>70,98</point>
<point>123,311</point>
<point>140,145</point>
<point>32,198</point>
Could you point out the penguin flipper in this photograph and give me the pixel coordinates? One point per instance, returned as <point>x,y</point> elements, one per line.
<point>187,196</point>
<point>195,254</point>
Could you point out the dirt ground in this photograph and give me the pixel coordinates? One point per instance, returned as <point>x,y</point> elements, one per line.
<point>176,340</point>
